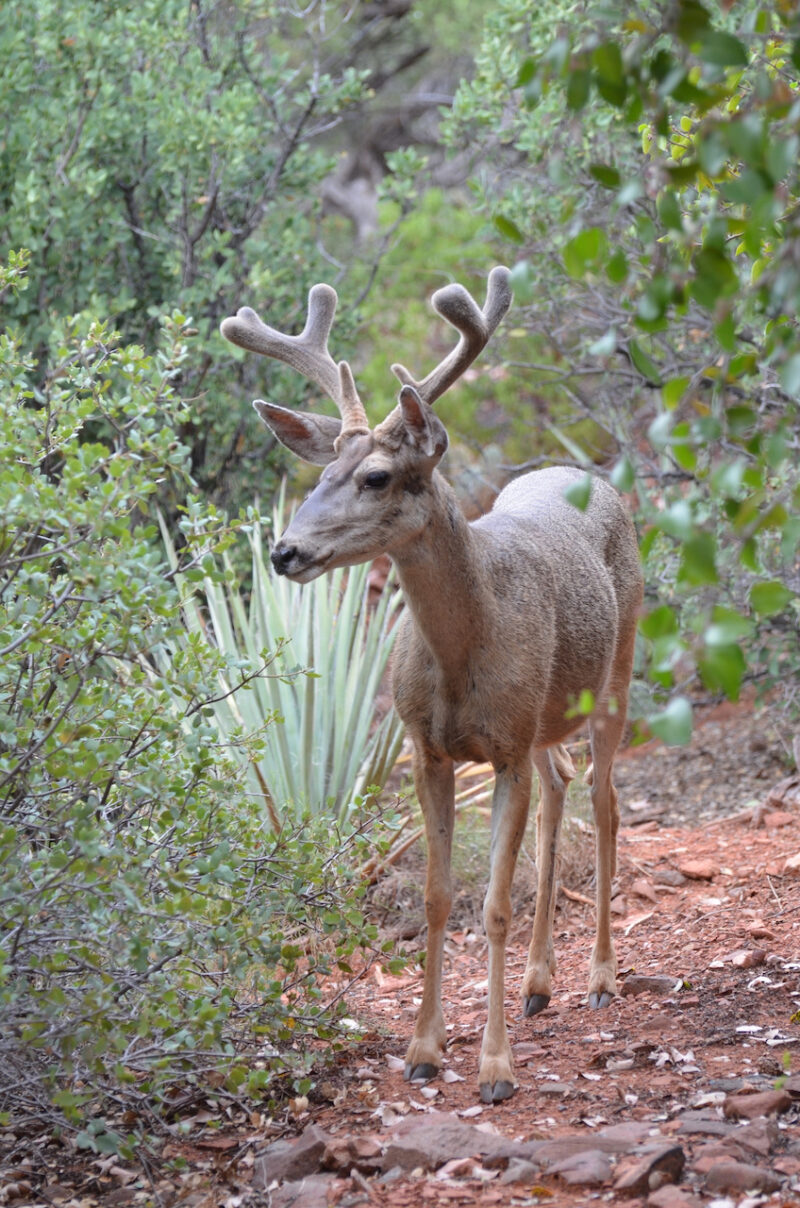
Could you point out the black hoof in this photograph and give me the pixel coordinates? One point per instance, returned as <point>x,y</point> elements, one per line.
<point>420,1073</point>
<point>497,1093</point>
<point>600,1000</point>
<point>535,1003</point>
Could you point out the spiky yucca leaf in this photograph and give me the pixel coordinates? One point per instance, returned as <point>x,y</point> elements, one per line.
<point>324,652</point>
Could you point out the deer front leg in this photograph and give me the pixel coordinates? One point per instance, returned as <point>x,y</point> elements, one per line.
<point>512,792</point>
<point>435,785</point>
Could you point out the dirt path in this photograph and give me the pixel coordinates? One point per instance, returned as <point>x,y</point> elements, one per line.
<point>685,1091</point>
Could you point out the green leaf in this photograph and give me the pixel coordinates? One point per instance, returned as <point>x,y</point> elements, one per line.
<point>617,267</point>
<point>698,560</point>
<point>610,76</point>
<point>579,83</point>
<point>673,725</point>
<point>659,622</point>
<point>579,493</point>
<point>722,49</point>
<point>623,475</point>
<point>790,375</point>
<point>770,598</point>
<point>672,391</point>
<point>669,210</point>
<point>526,73</point>
<point>508,229</point>
<point>715,277</point>
<point>644,363</point>
<point>722,669</point>
<point>585,251</point>
<point>677,520</point>
<point>605,174</point>
<point>727,627</point>
<point>691,19</point>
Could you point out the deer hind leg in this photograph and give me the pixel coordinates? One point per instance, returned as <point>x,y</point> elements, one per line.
<point>435,787</point>
<point>512,794</point>
<point>555,772</point>
<point>606,729</point>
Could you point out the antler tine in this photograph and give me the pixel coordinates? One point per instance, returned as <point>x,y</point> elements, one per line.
<point>307,353</point>
<point>457,305</point>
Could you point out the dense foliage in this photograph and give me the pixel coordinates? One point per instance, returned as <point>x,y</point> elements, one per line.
<point>152,924</point>
<point>648,172</point>
<point>164,155</point>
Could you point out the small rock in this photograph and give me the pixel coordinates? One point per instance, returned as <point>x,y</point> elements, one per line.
<point>670,1196</point>
<point>291,1160</point>
<point>589,1169</point>
<point>658,1022</point>
<point>713,1154</point>
<point>668,876</point>
<point>760,1136</point>
<point>698,870</point>
<point>348,1153</point>
<point>791,867</point>
<point>642,983</point>
<point>520,1171</point>
<point>762,1103</point>
<point>644,890</point>
<point>663,1164</point>
<point>438,1138</point>
<point>739,1176</point>
<point>310,1192</point>
<point>748,958</point>
<point>778,818</point>
<point>759,931</point>
<point>629,1132</point>
<point>554,1088</point>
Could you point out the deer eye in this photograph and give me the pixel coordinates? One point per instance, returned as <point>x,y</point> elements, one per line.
<point>376,480</point>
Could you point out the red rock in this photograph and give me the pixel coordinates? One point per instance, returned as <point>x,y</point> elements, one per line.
<point>791,867</point>
<point>759,931</point>
<point>738,1176</point>
<point>291,1160</point>
<point>762,1103</point>
<point>639,1175</point>
<point>643,983</point>
<point>777,818</point>
<point>748,958</point>
<point>699,870</point>
<point>347,1153</point>
<point>591,1168</point>
<point>760,1136</point>
<point>671,1196</point>
<point>311,1192</point>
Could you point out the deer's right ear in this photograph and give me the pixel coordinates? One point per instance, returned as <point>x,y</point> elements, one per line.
<point>309,436</point>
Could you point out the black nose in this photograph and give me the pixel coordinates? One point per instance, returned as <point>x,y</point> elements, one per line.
<point>282,556</point>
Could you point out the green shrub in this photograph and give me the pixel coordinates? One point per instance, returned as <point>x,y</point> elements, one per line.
<point>151,924</point>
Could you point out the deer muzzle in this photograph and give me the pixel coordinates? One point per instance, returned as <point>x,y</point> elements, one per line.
<point>297,564</point>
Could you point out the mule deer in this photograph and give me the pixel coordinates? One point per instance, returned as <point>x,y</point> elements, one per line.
<point>509,621</point>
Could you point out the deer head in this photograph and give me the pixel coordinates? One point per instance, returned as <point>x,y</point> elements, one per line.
<point>374,493</point>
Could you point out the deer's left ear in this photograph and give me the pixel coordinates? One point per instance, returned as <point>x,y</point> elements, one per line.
<point>423,427</point>
<point>309,436</point>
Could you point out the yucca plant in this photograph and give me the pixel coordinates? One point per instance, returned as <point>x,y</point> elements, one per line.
<point>322,651</point>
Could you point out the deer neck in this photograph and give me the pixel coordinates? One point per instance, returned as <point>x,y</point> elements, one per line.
<point>444,589</point>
